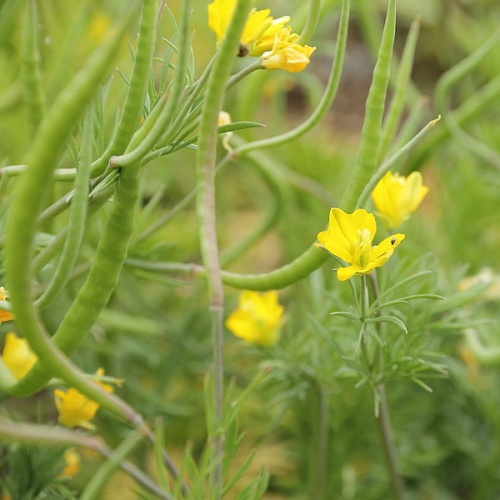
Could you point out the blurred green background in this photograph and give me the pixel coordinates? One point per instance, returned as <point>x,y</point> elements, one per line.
<point>154,333</point>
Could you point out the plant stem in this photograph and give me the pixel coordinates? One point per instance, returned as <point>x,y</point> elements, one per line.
<point>205,204</point>
<point>384,424</point>
<point>376,370</point>
<point>323,413</point>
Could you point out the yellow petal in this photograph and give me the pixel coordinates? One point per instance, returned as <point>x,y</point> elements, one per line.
<point>219,16</point>
<point>396,197</point>
<point>17,356</point>
<point>258,318</point>
<point>383,252</point>
<point>344,231</point>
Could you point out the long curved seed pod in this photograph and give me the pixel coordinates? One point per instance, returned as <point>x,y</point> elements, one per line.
<point>368,152</point>
<point>26,204</point>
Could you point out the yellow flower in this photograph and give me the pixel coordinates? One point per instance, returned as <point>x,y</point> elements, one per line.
<point>396,197</point>
<point>258,33</point>
<point>266,41</point>
<point>258,319</point>
<point>17,356</point>
<point>72,459</point>
<point>74,408</point>
<point>286,54</point>
<point>220,13</point>
<point>350,236</point>
<point>5,315</point>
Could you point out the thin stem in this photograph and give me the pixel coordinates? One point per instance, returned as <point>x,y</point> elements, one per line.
<point>323,420</point>
<point>386,166</point>
<point>368,152</point>
<point>205,203</point>
<point>385,428</point>
<point>326,100</point>
<point>443,91</point>
<point>100,478</point>
<point>155,125</point>
<point>382,409</point>
<point>313,16</point>
<point>17,432</point>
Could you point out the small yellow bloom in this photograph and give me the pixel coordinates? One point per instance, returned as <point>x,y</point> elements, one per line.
<point>350,236</point>
<point>72,459</point>
<point>258,33</point>
<point>17,356</point>
<point>286,53</point>
<point>396,197</point>
<point>74,408</point>
<point>5,315</point>
<point>258,319</point>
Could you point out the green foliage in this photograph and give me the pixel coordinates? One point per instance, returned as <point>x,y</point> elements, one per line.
<point>130,219</point>
<point>31,473</point>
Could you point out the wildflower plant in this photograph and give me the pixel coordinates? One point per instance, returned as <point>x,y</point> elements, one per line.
<point>127,205</point>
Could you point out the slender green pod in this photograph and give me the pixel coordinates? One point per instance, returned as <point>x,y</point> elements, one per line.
<point>313,16</point>
<point>397,104</point>
<point>280,278</point>
<point>142,143</point>
<point>206,214</point>
<point>443,90</point>
<point>138,87</point>
<point>386,166</point>
<point>31,80</point>
<point>76,222</point>
<point>476,104</point>
<point>326,100</point>
<point>368,152</point>
<point>274,179</point>
<point>100,283</point>
<point>28,196</point>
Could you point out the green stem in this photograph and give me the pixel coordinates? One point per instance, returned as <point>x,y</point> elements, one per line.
<point>384,423</point>
<point>16,432</point>
<point>397,104</point>
<point>76,222</point>
<point>138,87</point>
<point>326,100</point>
<point>313,16</point>
<point>443,90</point>
<point>26,202</point>
<point>280,278</point>
<point>368,152</point>
<point>321,447</point>
<point>100,478</point>
<point>155,125</point>
<point>30,68</point>
<point>376,370</point>
<point>476,104</point>
<point>205,204</point>
<point>386,166</point>
<point>276,184</point>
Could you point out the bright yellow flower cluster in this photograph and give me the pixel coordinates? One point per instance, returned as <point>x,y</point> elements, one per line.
<point>396,197</point>
<point>76,409</point>
<point>258,319</point>
<point>350,236</point>
<point>262,36</point>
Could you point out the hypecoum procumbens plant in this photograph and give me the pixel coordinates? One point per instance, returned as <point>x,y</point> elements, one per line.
<point>140,141</point>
